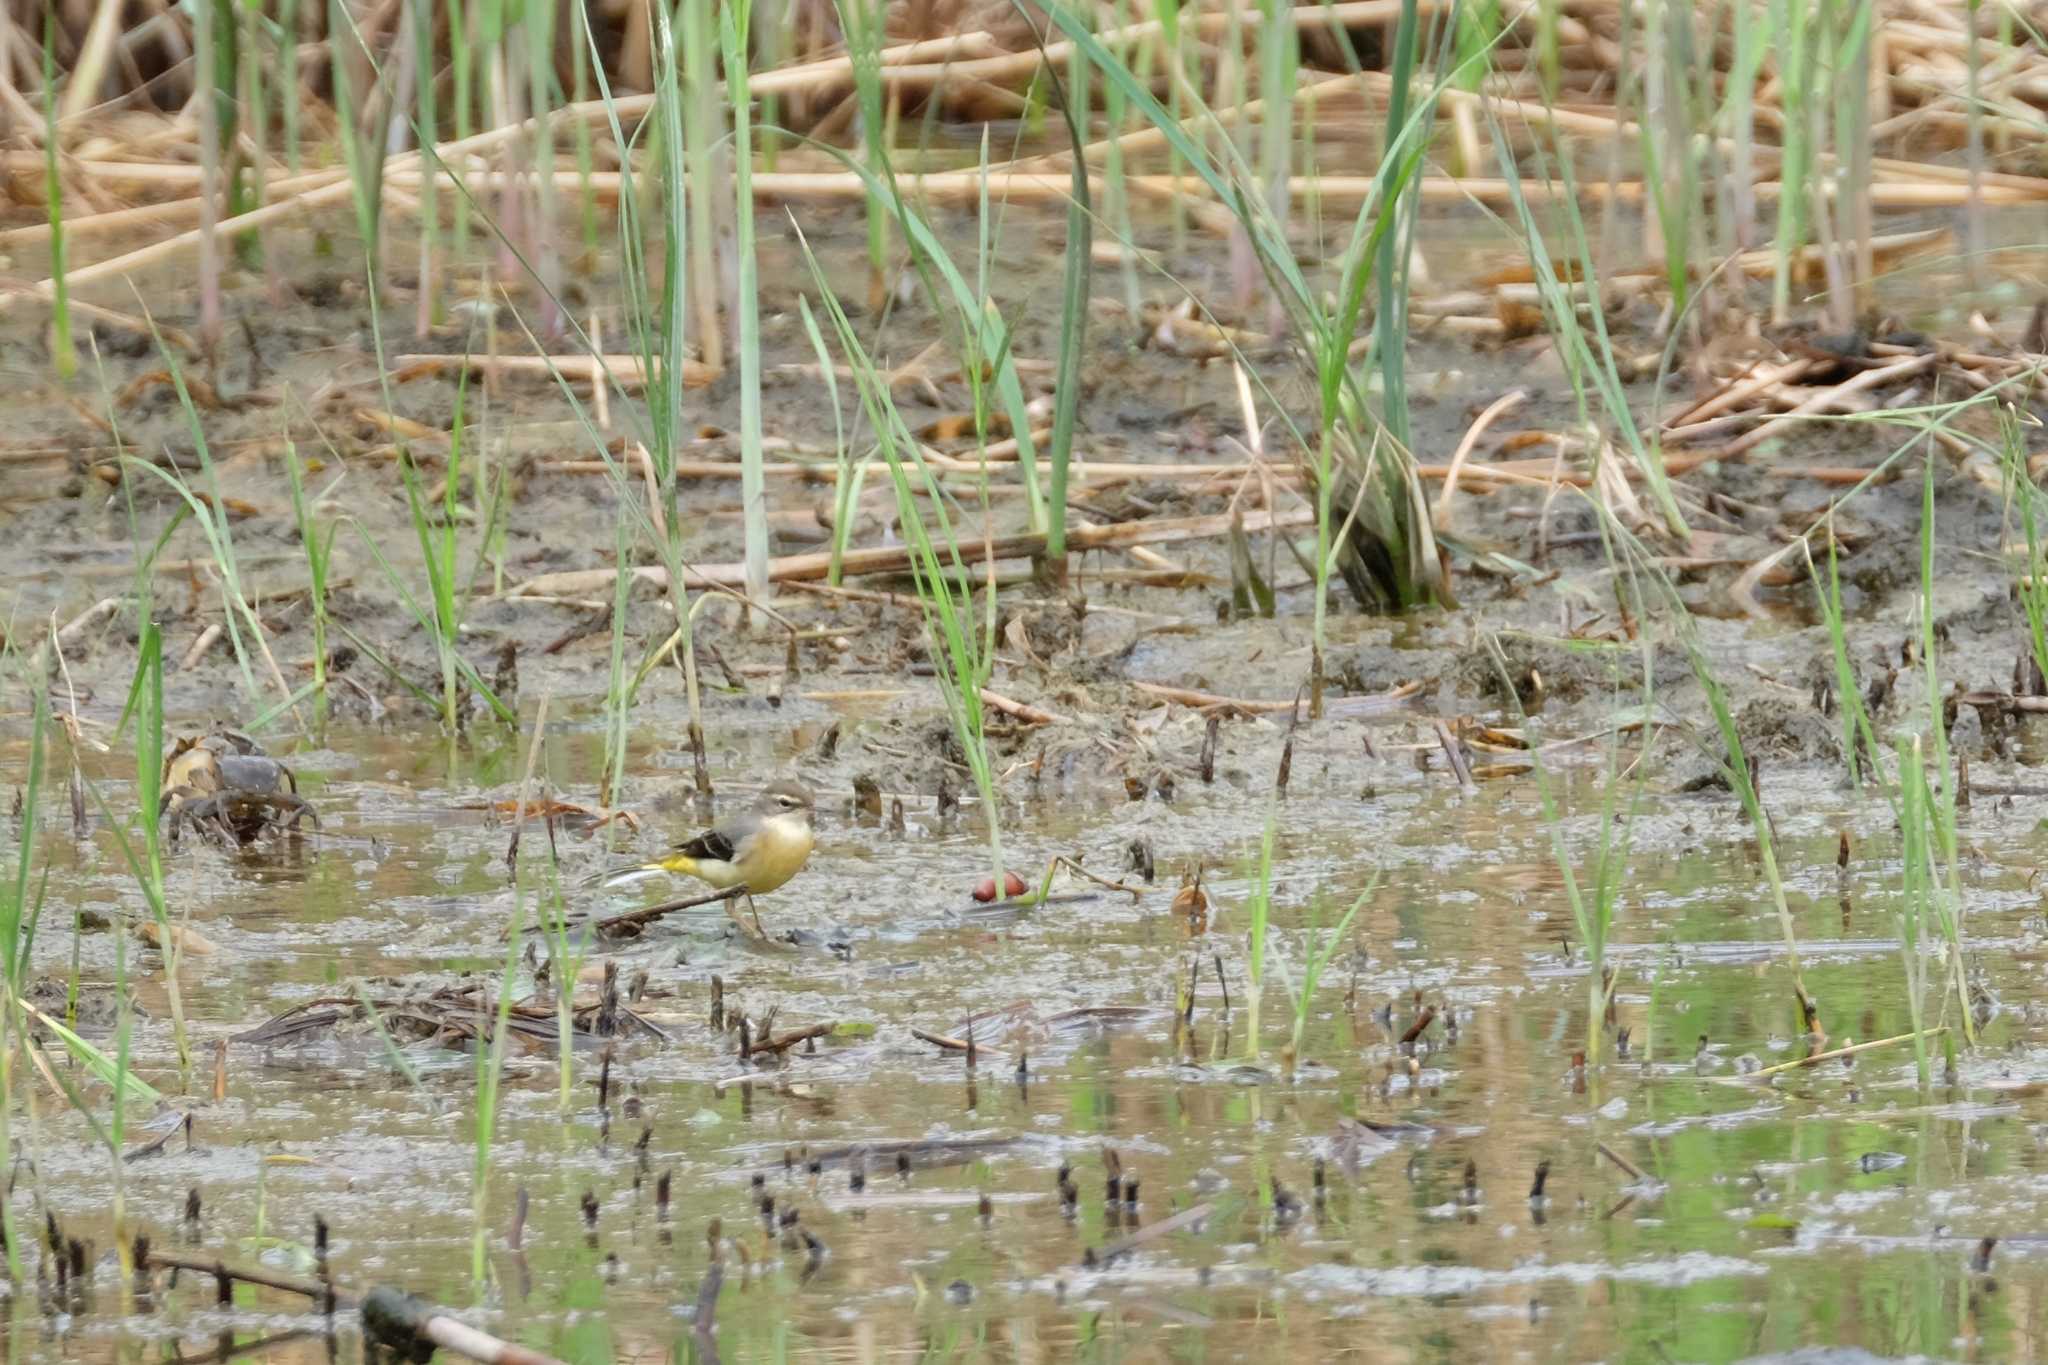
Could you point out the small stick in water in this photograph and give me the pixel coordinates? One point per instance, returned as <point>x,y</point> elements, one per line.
<point>517,1235</point>
<point>1209,749</point>
<point>704,1325</point>
<point>1422,1022</point>
<point>1541,1178</point>
<point>814,1250</point>
<point>1634,1171</point>
<point>140,1255</point>
<point>661,1186</point>
<point>1980,1262</point>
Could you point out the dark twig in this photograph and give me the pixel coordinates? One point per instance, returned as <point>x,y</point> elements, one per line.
<point>782,1042</point>
<point>1634,1172</point>
<point>634,920</point>
<point>705,1327</point>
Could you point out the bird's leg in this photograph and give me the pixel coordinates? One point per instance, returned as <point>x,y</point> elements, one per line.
<point>756,913</point>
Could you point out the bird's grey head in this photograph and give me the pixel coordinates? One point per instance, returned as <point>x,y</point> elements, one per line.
<point>787,798</point>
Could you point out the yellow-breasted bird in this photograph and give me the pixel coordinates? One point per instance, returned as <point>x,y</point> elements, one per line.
<point>759,849</point>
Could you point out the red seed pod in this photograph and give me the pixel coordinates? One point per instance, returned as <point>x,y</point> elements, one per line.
<point>985,890</point>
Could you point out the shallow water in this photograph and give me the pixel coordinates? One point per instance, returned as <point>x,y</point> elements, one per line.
<point>1767,1217</point>
<point>1835,1207</point>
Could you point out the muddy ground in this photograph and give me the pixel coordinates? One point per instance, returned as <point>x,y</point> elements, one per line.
<point>1738,1201</point>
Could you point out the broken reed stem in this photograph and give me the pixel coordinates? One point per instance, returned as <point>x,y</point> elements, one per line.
<point>941,1041</point>
<point>782,1042</point>
<point>1853,1048</point>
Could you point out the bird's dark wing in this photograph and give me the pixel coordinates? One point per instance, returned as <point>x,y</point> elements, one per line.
<point>709,844</point>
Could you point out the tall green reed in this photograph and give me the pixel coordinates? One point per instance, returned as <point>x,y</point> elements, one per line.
<point>852,473</point>
<point>317,541</point>
<point>1792,23</point>
<point>2031,583</point>
<point>1260,914</point>
<point>1074,276</point>
<point>355,76</point>
<point>701,127</point>
<point>537,21</point>
<point>18,915</point>
<point>864,23</point>
<point>1944,845</point>
<point>734,19</point>
<point>1917,895</point>
<point>63,353</point>
<point>427,120</point>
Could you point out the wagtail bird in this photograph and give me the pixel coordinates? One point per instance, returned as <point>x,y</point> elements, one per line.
<point>756,850</point>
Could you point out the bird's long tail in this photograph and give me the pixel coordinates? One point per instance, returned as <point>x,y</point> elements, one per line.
<point>627,872</point>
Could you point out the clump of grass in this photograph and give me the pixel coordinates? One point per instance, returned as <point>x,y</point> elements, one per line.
<point>437,526</point>
<point>1594,907</point>
<point>1316,959</point>
<point>2021,491</point>
<point>1858,735</point>
<point>963,648</point>
<point>1394,557</point>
